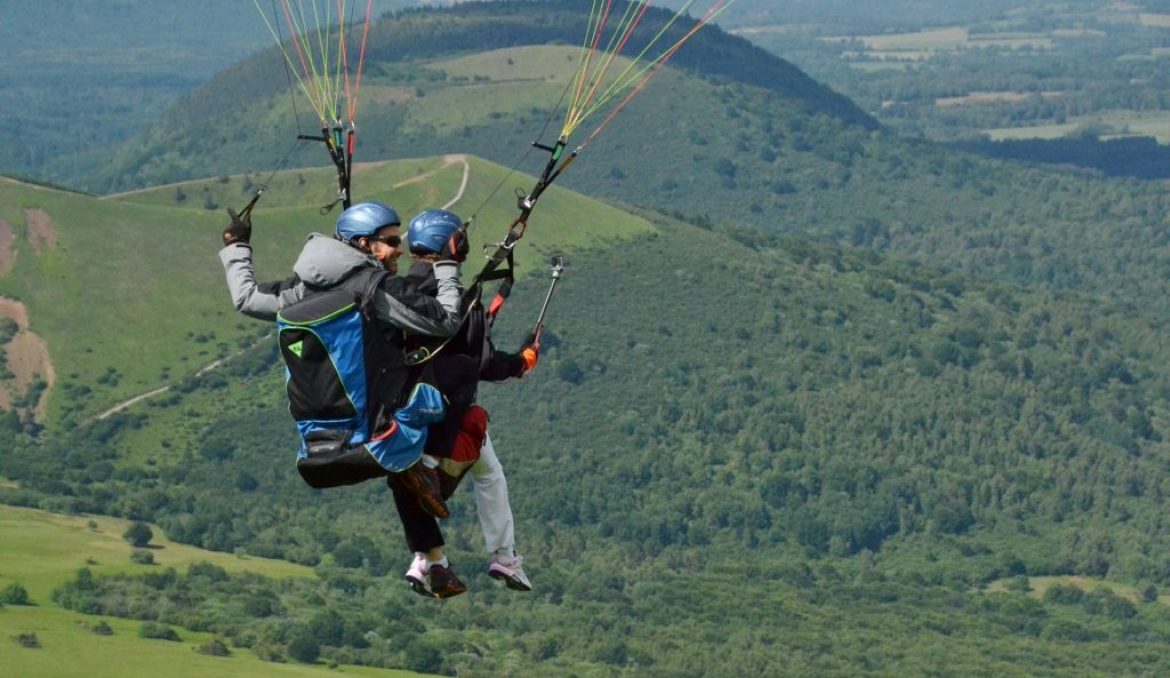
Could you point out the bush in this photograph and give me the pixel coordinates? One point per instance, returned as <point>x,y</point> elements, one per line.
<point>15,594</point>
<point>138,534</point>
<point>304,648</point>
<point>142,557</point>
<point>214,648</point>
<point>158,631</point>
<point>28,640</point>
<point>102,629</point>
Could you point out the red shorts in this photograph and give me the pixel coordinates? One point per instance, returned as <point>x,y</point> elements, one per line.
<point>472,431</point>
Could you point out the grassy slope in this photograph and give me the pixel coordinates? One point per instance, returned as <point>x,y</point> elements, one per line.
<point>145,256</point>
<point>42,550</point>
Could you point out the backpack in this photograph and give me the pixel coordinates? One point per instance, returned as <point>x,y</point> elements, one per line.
<point>358,406</point>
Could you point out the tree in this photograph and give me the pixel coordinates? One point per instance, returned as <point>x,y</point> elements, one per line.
<point>138,534</point>
<point>304,648</point>
<point>14,594</point>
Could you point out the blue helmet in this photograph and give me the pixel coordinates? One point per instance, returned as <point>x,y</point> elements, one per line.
<point>430,230</point>
<point>364,219</point>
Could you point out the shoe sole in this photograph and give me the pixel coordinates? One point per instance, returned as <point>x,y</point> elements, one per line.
<point>511,583</point>
<point>419,587</point>
<point>450,594</point>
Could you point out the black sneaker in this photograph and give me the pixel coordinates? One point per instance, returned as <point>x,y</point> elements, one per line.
<point>424,483</point>
<point>444,582</point>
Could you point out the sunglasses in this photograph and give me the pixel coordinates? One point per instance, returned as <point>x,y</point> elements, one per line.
<point>388,240</point>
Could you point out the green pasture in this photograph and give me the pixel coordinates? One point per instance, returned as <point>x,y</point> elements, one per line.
<point>951,37</point>
<point>544,63</point>
<point>920,45</point>
<point>1124,123</point>
<point>290,188</point>
<point>1041,584</point>
<point>42,550</point>
<point>70,649</point>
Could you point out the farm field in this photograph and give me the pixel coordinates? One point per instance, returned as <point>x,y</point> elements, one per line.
<point>1116,123</point>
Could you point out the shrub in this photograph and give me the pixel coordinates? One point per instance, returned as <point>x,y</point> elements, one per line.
<point>304,648</point>
<point>142,557</point>
<point>14,594</point>
<point>157,631</point>
<point>102,629</point>
<point>214,648</point>
<point>28,640</point>
<point>138,534</point>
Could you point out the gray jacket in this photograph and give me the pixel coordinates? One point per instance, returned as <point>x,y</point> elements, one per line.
<point>323,263</point>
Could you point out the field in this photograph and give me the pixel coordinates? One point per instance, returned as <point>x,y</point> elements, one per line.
<point>989,97</point>
<point>1039,585</point>
<point>924,44</point>
<point>1115,124</point>
<point>1157,20</point>
<point>42,550</point>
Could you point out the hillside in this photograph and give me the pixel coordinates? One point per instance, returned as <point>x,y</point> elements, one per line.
<point>732,136</point>
<point>400,48</point>
<point>44,550</point>
<point>858,443</point>
<point>94,276</point>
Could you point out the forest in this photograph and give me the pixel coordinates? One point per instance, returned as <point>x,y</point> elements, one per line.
<point>817,396</point>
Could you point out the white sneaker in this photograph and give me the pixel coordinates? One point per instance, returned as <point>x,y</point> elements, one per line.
<point>416,576</point>
<point>511,571</point>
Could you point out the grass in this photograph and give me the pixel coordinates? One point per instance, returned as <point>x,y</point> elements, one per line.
<point>1041,584</point>
<point>70,649</point>
<point>126,261</point>
<point>42,550</point>
<point>1126,123</point>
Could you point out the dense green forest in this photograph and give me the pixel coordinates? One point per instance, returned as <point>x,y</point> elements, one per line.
<point>1141,157</point>
<point>854,441</point>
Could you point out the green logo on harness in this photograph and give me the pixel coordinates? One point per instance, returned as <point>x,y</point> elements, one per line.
<point>296,348</point>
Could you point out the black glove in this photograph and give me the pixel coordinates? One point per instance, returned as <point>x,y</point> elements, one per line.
<point>239,231</point>
<point>456,247</point>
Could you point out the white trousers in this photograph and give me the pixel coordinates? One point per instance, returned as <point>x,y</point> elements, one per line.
<point>491,500</point>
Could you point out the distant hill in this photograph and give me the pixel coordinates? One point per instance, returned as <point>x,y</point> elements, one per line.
<point>194,138</point>
<point>780,155</point>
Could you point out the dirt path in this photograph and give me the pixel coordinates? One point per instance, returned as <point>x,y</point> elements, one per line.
<point>7,253</point>
<point>41,234</point>
<point>27,358</point>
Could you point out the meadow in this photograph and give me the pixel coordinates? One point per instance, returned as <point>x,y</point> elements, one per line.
<point>42,550</point>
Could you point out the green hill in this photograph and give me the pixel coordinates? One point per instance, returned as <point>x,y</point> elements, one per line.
<point>215,128</point>
<point>117,266</point>
<point>731,135</point>
<point>781,455</point>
